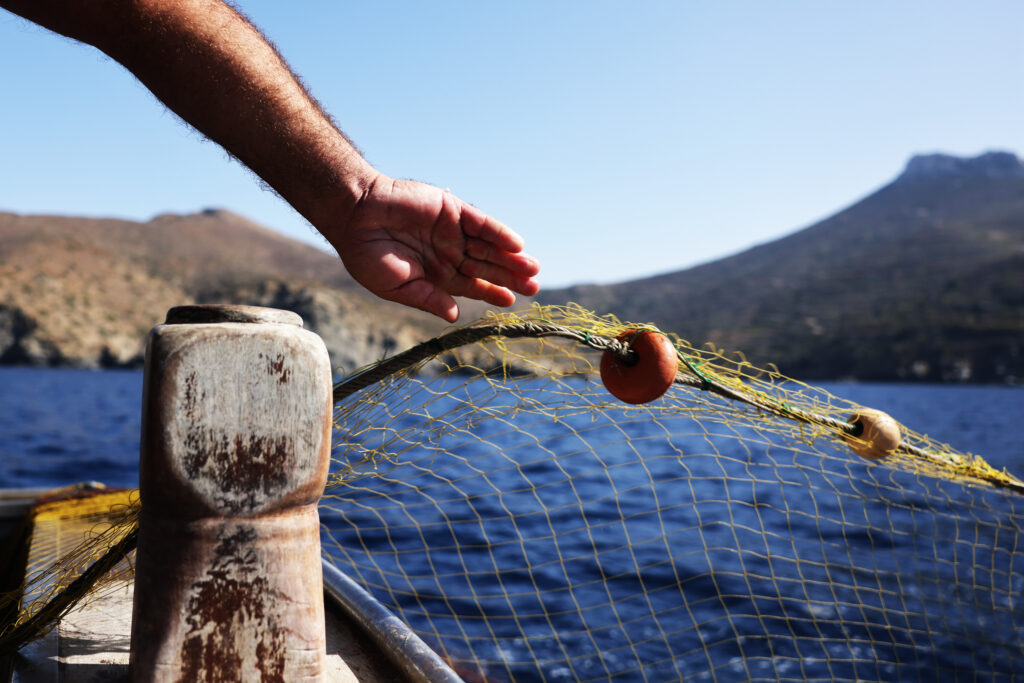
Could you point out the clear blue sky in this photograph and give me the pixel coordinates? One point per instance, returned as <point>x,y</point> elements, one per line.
<point>620,139</point>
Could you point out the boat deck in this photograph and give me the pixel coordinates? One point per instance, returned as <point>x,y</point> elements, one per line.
<point>91,643</point>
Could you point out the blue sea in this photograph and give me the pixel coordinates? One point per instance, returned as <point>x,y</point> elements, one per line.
<point>61,426</point>
<point>687,564</point>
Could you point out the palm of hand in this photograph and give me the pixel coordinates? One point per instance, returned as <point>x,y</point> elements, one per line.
<point>418,245</point>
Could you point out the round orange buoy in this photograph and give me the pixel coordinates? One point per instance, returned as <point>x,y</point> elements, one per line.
<point>649,376</point>
<point>878,435</point>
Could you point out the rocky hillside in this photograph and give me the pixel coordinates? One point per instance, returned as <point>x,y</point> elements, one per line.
<point>923,280</point>
<point>85,292</point>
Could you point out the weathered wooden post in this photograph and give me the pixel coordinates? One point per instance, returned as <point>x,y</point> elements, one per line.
<point>235,452</point>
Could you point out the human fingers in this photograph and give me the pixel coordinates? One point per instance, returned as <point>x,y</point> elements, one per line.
<point>476,223</point>
<point>500,276</point>
<point>425,296</point>
<point>520,263</point>
<point>480,289</point>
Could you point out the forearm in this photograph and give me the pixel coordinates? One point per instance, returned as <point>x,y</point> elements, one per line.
<point>404,241</point>
<point>216,71</point>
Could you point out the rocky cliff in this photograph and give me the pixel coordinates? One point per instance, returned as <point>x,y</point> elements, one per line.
<point>921,280</point>
<point>84,292</point>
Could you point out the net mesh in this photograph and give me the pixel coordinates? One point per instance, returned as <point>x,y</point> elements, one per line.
<point>531,527</point>
<point>80,548</point>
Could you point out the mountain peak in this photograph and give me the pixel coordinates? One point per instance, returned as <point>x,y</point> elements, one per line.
<point>210,212</point>
<point>996,164</point>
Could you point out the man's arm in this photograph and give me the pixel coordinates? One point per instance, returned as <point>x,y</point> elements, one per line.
<point>404,241</point>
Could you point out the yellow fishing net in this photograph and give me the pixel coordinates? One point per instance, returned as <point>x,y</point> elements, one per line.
<point>529,526</point>
<point>80,548</point>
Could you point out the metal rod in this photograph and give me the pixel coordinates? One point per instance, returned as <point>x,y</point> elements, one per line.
<point>403,647</point>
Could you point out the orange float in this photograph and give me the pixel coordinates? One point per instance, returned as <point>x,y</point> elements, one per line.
<point>877,435</point>
<point>646,378</point>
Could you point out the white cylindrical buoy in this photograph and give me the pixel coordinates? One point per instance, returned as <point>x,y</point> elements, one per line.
<point>877,434</point>
<point>235,451</point>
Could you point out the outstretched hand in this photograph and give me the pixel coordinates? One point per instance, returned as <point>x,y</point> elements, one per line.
<point>404,241</point>
<point>420,246</point>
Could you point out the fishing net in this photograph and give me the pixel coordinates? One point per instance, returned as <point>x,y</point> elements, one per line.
<point>77,543</point>
<point>529,526</point>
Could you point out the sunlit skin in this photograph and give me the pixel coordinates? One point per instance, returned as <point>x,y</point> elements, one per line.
<point>419,245</point>
<point>404,241</point>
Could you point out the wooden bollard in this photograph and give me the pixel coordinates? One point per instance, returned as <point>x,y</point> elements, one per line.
<point>235,452</point>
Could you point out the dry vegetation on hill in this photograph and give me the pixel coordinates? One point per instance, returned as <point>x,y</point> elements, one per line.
<point>76,291</point>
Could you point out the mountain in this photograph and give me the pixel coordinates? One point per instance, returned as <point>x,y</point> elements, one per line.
<point>84,292</point>
<point>921,280</point>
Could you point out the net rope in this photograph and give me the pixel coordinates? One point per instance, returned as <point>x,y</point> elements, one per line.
<point>529,526</point>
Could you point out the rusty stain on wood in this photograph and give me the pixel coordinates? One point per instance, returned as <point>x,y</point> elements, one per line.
<point>229,600</point>
<point>276,367</point>
<point>245,468</point>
